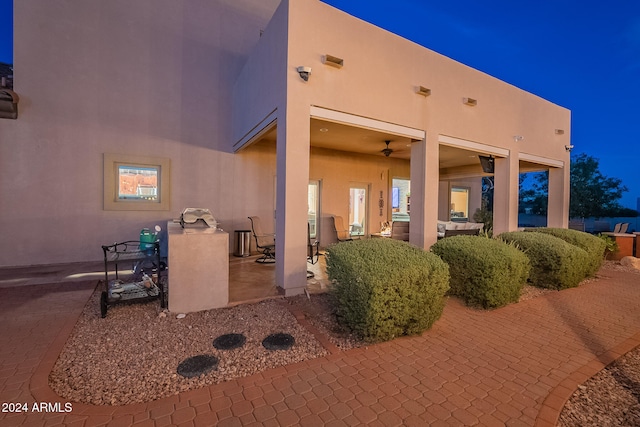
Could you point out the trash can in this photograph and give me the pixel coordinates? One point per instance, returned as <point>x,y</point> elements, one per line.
<point>242,243</point>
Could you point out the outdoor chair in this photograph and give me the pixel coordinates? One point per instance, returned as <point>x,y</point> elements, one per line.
<point>342,234</point>
<point>624,228</point>
<point>400,230</point>
<point>264,242</point>
<point>617,228</point>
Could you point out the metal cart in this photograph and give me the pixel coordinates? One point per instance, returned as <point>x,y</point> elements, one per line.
<point>145,281</point>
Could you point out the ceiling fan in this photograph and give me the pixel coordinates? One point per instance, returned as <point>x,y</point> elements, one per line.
<point>387,151</point>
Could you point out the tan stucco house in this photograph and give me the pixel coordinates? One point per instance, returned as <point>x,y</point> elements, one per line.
<point>218,93</point>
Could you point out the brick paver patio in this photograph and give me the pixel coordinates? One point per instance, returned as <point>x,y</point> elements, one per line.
<point>514,366</point>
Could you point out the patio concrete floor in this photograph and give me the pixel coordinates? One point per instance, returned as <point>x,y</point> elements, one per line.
<point>513,366</point>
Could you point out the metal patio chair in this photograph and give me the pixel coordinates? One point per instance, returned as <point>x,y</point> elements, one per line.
<point>266,243</point>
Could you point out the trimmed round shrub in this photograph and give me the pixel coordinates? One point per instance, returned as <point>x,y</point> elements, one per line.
<point>484,272</point>
<point>593,245</point>
<point>386,288</point>
<point>555,264</point>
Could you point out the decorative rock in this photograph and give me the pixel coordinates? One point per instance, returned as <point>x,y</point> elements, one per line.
<point>229,341</point>
<point>632,417</point>
<point>197,365</point>
<point>181,316</point>
<point>630,261</point>
<point>278,341</point>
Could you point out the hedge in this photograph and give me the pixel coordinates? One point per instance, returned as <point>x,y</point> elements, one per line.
<point>555,264</point>
<point>594,245</point>
<point>385,288</point>
<point>483,272</point>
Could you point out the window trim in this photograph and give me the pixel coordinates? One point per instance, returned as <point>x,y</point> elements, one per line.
<point>110,192</point>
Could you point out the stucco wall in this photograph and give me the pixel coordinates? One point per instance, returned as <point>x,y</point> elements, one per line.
<point>156,77</point>
<point>381,72</point>
<point>151,77</point>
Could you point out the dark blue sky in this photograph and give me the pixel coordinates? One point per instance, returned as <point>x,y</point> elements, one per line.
<point>6,31</point>
<point>582,55</point>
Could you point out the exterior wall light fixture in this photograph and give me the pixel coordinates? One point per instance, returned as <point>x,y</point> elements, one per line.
<point>470,101</point>
<point>421,90</point>
<point>559,131</point>
<point>518,138</point>
<point>334,61</point>
<point>568,147</point>
<point>8,103</point>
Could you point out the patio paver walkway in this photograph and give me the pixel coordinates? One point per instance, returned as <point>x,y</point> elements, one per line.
<point>513,366</point>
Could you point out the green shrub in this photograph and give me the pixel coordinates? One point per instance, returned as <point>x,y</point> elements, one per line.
<point>484,272</point>
<point>555,264</point>
<point>386,288</point>
<point>594,246</point>
<point>610,245</point>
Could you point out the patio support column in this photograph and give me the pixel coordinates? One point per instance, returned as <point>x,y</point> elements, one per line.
<point>292,169</point>
<point>505,196</point>
<point>425,177</point>
<point>558,202</point>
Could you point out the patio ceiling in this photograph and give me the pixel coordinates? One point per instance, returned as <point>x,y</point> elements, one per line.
<point>341,137</point>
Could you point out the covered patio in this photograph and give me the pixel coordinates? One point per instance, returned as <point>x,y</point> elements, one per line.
<point>321,112</point>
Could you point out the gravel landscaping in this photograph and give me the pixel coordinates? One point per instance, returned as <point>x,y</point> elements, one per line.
<point>133,354</point>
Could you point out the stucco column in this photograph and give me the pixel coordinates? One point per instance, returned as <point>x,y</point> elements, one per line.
<point>425,177</point>
<point>292,177</point>
<point>505,196</point>
<point>558,202</point>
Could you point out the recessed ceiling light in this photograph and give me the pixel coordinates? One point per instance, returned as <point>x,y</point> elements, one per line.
<point>324,130</point>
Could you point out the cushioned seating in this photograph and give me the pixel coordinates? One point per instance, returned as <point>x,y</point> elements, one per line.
<point>451,228</point>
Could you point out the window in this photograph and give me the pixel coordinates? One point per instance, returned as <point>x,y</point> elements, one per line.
<point>136,182</point>
<point>459,203</point>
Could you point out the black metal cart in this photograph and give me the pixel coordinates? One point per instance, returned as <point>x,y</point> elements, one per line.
<point>145,281</point>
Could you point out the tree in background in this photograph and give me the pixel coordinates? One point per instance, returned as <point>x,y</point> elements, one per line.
<point>533,200</point>
<point>592,193</point>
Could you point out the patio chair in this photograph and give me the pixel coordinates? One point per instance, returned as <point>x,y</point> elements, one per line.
<point>624,228</point>
<point>264,242</point>
<point>400,230</point>
<point>617,228</point>
<point>313,247</point>
<point>342,233</point>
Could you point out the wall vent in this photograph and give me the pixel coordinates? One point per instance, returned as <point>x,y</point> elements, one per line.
<point>470,101</point>
<point>421,90</point>
<point>559,131</point>
<point>334,61</point>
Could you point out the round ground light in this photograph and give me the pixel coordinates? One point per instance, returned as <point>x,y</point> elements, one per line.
<point>229,341</point>
<point>278,341</point>
<point>197,365</point>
